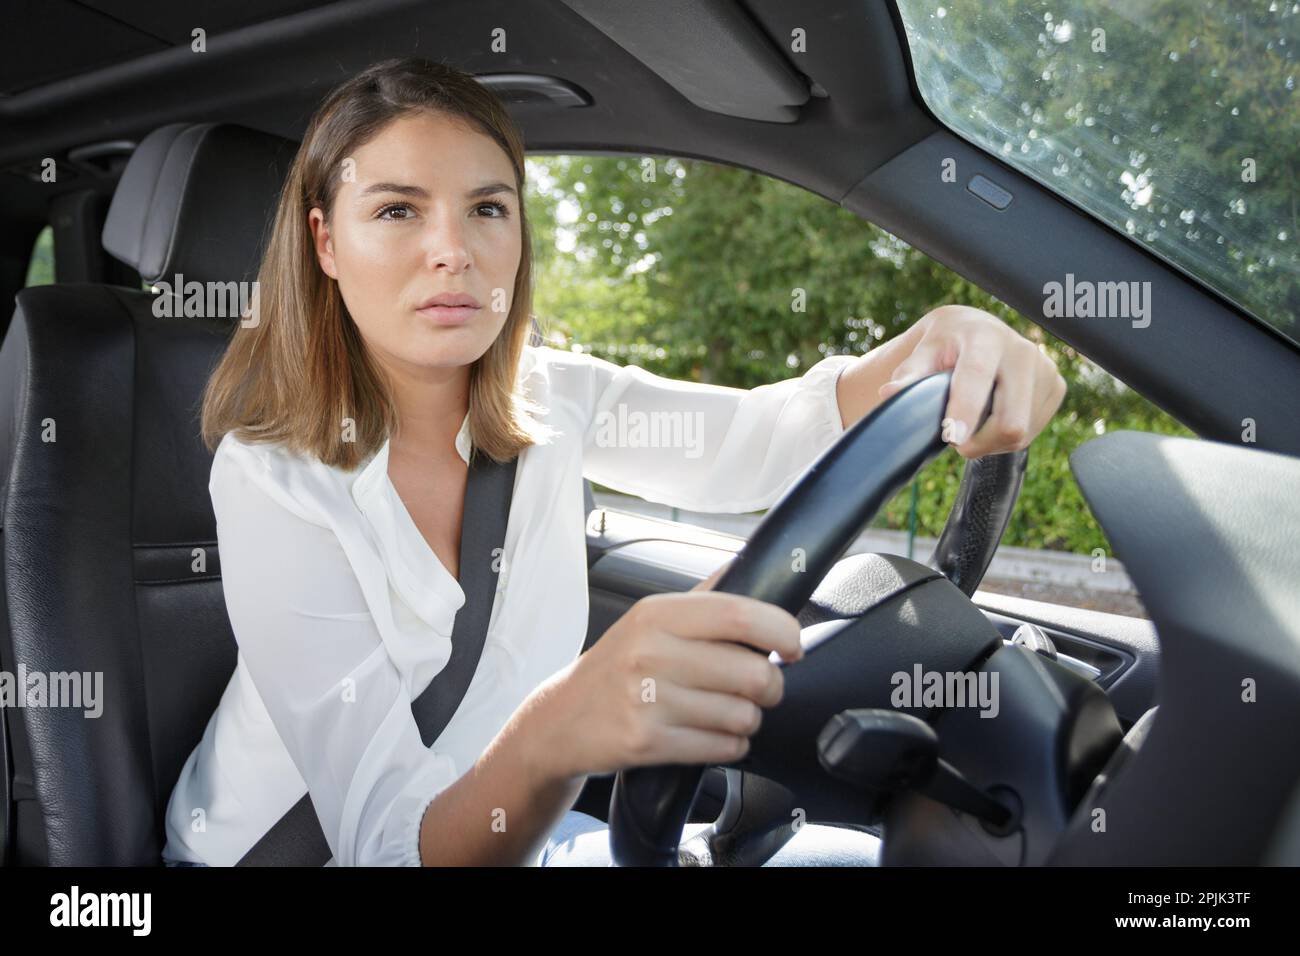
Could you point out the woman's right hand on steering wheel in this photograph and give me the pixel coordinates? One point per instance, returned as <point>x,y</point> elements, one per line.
<point>667,685</point>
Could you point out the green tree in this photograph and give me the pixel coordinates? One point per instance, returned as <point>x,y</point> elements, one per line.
<point>696,275</point>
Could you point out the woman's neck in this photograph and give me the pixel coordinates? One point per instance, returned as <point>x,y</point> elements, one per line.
<point>431,405</point>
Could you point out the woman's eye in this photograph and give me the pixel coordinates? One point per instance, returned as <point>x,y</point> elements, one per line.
<point>397,212</point>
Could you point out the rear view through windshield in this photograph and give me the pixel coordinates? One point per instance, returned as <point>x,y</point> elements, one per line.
<point>1176,122</point>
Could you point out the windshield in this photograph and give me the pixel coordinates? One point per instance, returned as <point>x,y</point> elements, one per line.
<point>1173,121</point>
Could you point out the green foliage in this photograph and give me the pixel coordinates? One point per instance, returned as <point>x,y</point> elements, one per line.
<point>1175,122</point>
<point>1051,512</point>
<point>696,274</point>
<point>40,270</point>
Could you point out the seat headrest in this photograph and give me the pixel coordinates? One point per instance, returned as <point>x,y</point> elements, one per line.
<point>196,199</point>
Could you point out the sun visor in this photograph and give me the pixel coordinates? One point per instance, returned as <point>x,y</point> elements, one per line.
<point>710,51</point>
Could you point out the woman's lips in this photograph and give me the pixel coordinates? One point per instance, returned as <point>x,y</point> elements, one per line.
<point>450,314</point>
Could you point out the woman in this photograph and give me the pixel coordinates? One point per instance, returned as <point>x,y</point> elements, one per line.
<point>388,347</point>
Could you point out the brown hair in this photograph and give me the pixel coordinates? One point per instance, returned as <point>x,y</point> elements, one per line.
<point>301,369</point>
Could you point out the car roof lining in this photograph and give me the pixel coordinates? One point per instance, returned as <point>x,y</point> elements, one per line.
<point>297,59</point>
<point>97,33</point>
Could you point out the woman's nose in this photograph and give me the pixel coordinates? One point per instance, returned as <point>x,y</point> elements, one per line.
<point>446,247</point>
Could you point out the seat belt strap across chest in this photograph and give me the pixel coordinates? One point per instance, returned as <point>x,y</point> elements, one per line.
<point>297,838</point>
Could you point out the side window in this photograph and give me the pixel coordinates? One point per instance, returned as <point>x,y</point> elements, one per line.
<point>40,270</point>
<point>714,274</point>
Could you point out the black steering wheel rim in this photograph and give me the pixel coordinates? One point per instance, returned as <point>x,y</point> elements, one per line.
<point>821,516</point>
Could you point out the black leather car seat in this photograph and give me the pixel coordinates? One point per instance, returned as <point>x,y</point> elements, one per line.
<point>109,540</point>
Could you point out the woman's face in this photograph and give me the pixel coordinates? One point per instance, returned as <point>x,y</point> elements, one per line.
<point>426,208</point>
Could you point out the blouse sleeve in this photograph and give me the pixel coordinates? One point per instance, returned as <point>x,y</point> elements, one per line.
<point>317,660</point>
<point>703,447</point>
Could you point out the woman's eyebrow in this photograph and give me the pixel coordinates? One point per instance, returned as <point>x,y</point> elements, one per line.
<point>421,193</point>
<point>490,189</point>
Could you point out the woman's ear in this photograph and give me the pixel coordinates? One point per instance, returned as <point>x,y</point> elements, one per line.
<point>320,233</point>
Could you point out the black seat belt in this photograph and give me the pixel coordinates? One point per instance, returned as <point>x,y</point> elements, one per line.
<point>297,839</point>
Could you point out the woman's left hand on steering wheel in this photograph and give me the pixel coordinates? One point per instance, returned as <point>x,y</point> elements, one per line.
<point>982,352</point>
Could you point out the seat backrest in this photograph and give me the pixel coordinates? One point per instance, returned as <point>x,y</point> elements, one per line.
<point>111,571</point>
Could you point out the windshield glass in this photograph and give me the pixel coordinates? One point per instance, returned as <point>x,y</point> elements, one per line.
<point>1175,122</point>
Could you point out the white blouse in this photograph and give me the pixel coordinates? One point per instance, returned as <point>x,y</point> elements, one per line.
<point>343,613</point>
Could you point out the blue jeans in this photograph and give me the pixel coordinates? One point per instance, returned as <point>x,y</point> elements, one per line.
<point>582,840</point>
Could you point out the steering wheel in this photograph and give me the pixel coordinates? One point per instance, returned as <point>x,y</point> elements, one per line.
<point>820,516</point>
